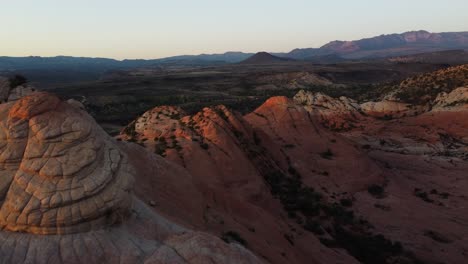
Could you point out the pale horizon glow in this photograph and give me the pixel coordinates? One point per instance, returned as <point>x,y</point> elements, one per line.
<point>145,29</point>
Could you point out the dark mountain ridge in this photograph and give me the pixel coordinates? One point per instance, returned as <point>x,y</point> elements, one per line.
<point>264,58</point>
<point>388,45</point>
<point>411,42</point>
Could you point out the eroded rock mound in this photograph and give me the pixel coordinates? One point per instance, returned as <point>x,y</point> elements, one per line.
<point>65,176</point>
<point>66,195</point>
<point>233,165</point>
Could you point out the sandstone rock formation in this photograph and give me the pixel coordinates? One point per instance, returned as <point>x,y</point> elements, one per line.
<point>223,154</point>
<point>346,182</point>
<point>338,113</point>
<point>388,109</point>
<point>318,154</point>
<point>455,99</point>
<point>66,196</point>
<point>8,93</point>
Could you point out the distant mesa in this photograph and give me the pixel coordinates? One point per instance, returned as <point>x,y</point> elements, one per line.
<point>264,58</point>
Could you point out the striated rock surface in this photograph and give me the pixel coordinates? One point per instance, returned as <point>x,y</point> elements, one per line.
<point>66,196</point>
<point>65,176</point>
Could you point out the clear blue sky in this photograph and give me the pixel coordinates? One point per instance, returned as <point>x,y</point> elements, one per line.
<point>160,28</point>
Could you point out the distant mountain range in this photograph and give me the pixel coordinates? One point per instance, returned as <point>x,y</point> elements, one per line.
<point>407,43</point>
<point>384,46</point>
<point>387,45</point>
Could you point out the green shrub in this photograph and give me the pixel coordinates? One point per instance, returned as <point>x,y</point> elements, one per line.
<point>437,237</point>
<point>314,227</point>
<point>339,214</point>
<point>204,145</point>
<point>346,202</point>
<point>17,80</point>
<point>233,237</point>
<point>376,190</point>
<point>368,248</point>
<point>256,138</point>
<point>423,195</point>
<point>328,154</point>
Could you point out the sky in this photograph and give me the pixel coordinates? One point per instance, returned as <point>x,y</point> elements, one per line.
<point>159,28</point>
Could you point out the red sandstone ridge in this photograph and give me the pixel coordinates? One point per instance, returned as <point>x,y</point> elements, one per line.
<point>228,166</point>
<point>318,179</point>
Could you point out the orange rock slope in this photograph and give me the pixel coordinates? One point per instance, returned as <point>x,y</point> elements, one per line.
<point>316,179</point>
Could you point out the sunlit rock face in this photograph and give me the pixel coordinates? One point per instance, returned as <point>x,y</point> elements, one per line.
<point>60,173</point>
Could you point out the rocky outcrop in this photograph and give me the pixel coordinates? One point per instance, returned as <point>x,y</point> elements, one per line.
<point>457,98</point>
<point>335,113</point>
<point>8,93</point>
<point>230,161</point>
<point>66,196</point>
<point>424,88</point>
<point>290,80</point>
<point>59,186</point>
<point>389,109</point>
<point>337,171</point>
<point>344,113</point>
<point>420,157</point>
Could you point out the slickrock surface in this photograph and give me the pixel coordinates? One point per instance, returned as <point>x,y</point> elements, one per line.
<point>424,158</point>
<point>320,156</point>
<point>66,195</point>
<point>227,169</point>
<point>317,179</point>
